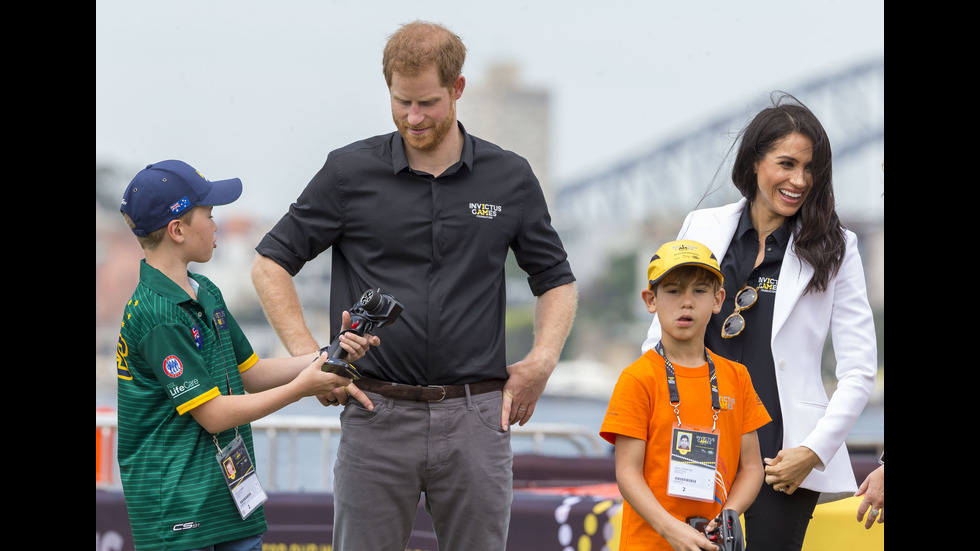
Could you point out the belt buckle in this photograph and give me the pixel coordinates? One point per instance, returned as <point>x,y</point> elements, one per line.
<point>442,388</point>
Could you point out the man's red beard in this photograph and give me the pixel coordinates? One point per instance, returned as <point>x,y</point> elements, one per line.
<point>433,137</point>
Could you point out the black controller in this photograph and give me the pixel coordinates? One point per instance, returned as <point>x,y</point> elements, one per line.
<point>374,310</point>
<point>727,535</point>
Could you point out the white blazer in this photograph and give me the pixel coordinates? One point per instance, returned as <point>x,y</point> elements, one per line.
<point>799,329</point>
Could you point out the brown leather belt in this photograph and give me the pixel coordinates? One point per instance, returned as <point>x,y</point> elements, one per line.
<point>430,393</point>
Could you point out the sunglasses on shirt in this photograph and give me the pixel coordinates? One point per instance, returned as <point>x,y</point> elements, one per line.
<point>735,323</point>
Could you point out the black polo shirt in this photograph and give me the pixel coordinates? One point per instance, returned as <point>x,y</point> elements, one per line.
<point>438,244</point>
<point>751,347</point>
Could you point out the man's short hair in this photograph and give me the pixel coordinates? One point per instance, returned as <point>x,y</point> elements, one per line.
<point>418,45</point>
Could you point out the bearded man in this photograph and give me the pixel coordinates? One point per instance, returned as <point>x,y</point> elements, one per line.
<point>427,214</point>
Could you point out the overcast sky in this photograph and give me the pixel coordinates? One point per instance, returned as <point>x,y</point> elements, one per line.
<point>264,90</point>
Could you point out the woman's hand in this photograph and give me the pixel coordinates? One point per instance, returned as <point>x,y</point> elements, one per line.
<point>787,470</point>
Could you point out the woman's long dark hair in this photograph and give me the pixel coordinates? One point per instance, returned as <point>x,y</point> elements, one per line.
<point>818,235</point>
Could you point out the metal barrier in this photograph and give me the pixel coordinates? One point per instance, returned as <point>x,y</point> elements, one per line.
<point>536,438</point>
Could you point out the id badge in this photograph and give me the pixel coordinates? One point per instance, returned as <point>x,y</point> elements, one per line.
<point>693,463</point>
<point>240,476</point>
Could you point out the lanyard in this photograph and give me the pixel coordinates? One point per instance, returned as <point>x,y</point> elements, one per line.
<point>675,398</point>
<point>216,327</point>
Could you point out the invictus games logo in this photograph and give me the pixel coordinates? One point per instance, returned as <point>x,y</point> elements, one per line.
<point>485,210</point>
<point>768,284</point>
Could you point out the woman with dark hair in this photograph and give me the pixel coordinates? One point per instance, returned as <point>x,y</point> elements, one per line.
<point>792,274</point>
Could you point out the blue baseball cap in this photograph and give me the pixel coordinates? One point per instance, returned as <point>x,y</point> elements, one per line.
<point>163,191</point>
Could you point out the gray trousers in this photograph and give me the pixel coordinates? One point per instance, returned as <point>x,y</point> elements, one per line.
<point>454,451</point>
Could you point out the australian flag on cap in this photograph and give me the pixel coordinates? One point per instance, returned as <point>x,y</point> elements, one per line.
<point>180,206</point>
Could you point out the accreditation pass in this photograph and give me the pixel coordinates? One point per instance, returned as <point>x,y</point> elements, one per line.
<point>693,460</point>
<point>240,476</point>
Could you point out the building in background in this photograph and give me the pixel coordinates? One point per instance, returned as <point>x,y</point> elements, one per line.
<point>499,108</point>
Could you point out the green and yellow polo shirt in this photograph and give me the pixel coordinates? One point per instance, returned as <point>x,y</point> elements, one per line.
<point>175,353</point>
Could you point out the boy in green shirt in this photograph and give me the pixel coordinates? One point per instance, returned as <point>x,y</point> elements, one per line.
<point>189,382</point>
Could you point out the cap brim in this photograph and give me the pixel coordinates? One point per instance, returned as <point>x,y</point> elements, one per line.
<point>222,192</point>
<point>718,274</point>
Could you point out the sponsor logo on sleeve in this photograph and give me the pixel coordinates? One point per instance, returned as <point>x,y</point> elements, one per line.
<point>173,367</point>
<point>176,390</point>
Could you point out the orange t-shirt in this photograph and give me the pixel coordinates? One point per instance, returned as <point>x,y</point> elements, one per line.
<point>640,408</point>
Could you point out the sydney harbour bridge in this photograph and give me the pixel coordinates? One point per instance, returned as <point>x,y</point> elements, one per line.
<point>694,170</point>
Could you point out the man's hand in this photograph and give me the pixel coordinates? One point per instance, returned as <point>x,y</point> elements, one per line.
<point>873,490</point>
<point>525,384</point>
<point>356,347</point>
<point>554,312</point>
<point>339,397</point>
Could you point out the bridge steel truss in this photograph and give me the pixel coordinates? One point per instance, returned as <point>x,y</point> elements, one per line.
<point>694,170</point>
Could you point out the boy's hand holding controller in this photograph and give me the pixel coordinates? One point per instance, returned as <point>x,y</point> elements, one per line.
<point>685,537</point>
<point>725,531</point>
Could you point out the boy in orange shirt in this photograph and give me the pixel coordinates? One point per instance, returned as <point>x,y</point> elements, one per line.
<point>683,420</point>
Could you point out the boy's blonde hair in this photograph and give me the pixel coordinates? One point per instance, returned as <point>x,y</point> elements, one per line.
<point>153,239</point>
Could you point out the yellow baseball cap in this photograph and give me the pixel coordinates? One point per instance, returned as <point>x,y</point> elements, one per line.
<point>682,253</point>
